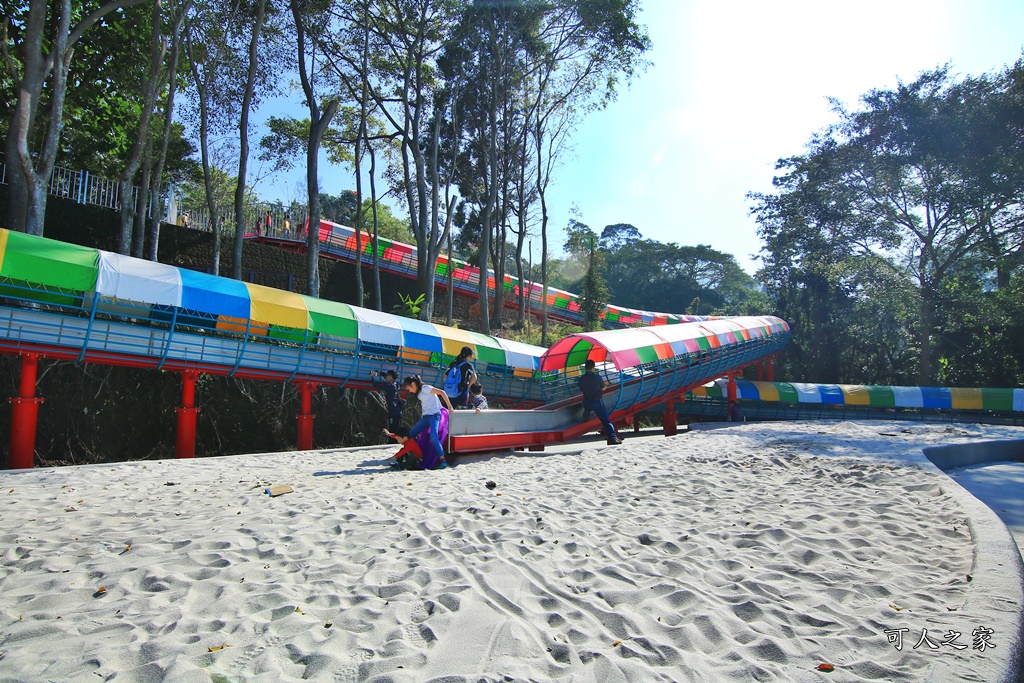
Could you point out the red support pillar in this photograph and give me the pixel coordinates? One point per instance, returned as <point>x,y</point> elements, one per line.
<point>669,420</point>
<point>24,416</point>
<point>760,371</point>
<point>731,388</point>
<point>771,369</point>
<point>304,438</point>
<point>185,442</point>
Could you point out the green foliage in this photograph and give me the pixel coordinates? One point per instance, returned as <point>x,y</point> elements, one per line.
<point>388,225</point>
<point>340,208</point>
<point>593,293</point>
<point>409,307</point>
<point>192,193</point>
<point>979,344</point>
<point>288,138</point>
<point>615,237</point>
<point>581,244</point>
<point>697,280</point>
<point>531,334</point>
<point>895,237</point>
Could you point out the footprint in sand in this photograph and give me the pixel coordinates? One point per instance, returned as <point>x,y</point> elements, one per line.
<point>451,602</point>
<point>419,635</point>
<point>422,611</point>
<point>255,650</point>
<point>348,674</point>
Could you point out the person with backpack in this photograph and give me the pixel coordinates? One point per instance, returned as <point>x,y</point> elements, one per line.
<point>430,401</point>
<point>459,376</point>
<point>393,402</point>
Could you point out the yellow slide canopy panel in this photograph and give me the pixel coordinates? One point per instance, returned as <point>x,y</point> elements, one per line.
<point>269,306</point>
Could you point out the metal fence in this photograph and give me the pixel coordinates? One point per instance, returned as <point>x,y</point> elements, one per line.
<point>261,218</point>
<point>83,187</point>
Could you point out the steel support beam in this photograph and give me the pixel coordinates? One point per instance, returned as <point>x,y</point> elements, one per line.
<point>24,416</point>
<point>185,440</point>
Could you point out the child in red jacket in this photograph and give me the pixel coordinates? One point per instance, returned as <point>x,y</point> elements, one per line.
<point>409,457</point>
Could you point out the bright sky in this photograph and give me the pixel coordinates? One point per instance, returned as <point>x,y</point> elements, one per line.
<point>733,87</point>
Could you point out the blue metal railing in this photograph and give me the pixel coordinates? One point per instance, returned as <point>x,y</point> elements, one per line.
<point>665,377</point>
<point>86,327</point>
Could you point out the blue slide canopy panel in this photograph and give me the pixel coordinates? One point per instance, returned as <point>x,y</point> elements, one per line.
<point>936,397</point>
<point>830,393</point>
<point>215,295</point>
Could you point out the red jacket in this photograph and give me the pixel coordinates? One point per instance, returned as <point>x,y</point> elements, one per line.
<point>410,447</point>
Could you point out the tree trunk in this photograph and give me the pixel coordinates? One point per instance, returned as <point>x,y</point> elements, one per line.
<point>142,203</point>
<point>483,290</point>
<point>202,90</point>
<point>541,194</point>
<point>142,136</point>
<point>34,174</point>
<point>17,185</point>
<point>358,227</point>
<point>313,233</point>
<point>451,281</point>
<point>317,127</point>
<point>361,138</point>
<point>429,237</point>
<point>520,243</point>
<point>26,172</point>
<point>435,236</point>
<point>153,233</point>
<point>373,205</point>
<point>243,139</point>
<point>924,372</point>
<point>522,213</point>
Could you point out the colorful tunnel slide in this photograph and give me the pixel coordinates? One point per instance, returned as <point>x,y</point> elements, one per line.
<point>796,400</point>
<point>64,301</point>
<point>339,242</point>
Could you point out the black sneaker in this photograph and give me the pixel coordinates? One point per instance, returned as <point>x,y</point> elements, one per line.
<point>614,442</point>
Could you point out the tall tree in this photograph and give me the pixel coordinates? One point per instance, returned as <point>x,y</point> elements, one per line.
<point>581,244</point>
<point>255,23</point>
<point>651,275</point>
<point>491,57</point>
<point>310,22</point>
<point>588,48</point>
<point>532,69</point>
<point>921,179</point>
<point>215,98</point>
<point>143,135</point>
<point>351,62</point>
<point>910,178</point>
<point>46,38</point>
<point>153,231</point>
<point>406,37</point>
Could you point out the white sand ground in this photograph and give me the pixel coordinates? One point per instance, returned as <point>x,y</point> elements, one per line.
<point>753,553</point>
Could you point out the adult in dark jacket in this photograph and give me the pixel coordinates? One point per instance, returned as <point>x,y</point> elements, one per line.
<point>592,387</point>
<point>388,384</point>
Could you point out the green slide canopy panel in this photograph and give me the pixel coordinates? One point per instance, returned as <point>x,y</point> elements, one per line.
<point>48,262</point>
<point>331,317</point>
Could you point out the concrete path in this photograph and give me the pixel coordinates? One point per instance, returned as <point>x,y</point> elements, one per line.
<point>999,485</point>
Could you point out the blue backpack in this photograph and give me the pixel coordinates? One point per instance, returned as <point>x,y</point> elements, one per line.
<point>453,381</point>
